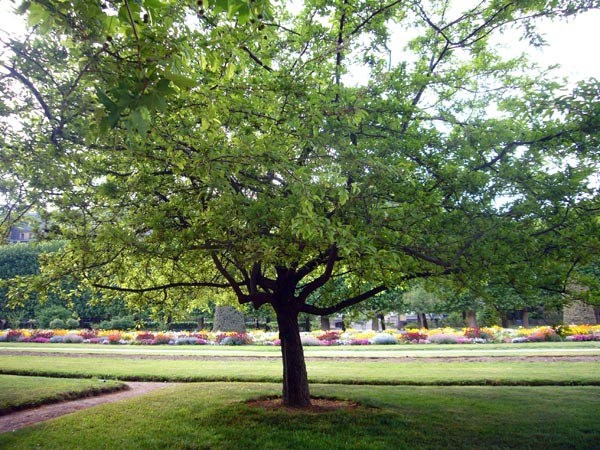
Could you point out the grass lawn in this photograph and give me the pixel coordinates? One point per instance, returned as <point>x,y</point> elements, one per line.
<point>214,416</point>
<point>319,371</point>
<point>374,351</point>
<point>26,392</point>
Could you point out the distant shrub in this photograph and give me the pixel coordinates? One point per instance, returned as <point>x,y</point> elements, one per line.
<point>88,334</point>
<point>583,337</point>
<point>122,323</point>
<point>14,336</point>
<point>233,339</point>
<point>49,313</point>
<point>186,341</point>
<point>443,339</point>
<point>72,339</point>
<point>183,326</point>
<point>413,336</point>
<point>114,338</point>
<point>200,336</point>
<point>57,324</point>
<point>310,341</point>
<point>478,333</point>
<point>546,334</point>
<point>144,337</point>
<point>384,339</point>
<point>72,324</point>
<point>330,336</point>
<point>359,342</point>
<point>42,334</point>
<point>161,339</point>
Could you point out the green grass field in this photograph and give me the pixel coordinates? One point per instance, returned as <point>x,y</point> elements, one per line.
<point>26,392</point>
<point>496,372</point>
<point>371,351</point>
<point>414,404</point>
<point>214,416</point>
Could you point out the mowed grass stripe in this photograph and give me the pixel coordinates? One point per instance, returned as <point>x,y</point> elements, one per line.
<point>369,351</point>
<point>25,392</point>
<point>345,372</point>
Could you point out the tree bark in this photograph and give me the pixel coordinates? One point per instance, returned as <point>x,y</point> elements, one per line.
<point>296,392</point>
<point>471,319</point>
<point>382,319</point>
<point>525,318</point>
<point>422,321</point>
<point>375,324</point>
<point>325,324</point>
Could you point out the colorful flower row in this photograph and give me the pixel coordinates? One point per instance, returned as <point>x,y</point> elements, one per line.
<point>315,338</point>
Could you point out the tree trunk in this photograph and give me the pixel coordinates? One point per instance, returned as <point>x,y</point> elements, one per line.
<point>296,393</point>
<point>597,315</point>
<point>525,318</point>
<point>325,324</point>
<point>200,323</point>
<point>422,320</point>
<point>471,319</point>
<point>307,323</point>
<point>375,324</point>
<point>382,319</point>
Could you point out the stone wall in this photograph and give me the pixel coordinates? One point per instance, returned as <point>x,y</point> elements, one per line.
<point>579,313</point>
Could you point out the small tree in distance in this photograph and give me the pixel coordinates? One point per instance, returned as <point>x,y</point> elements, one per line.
<point>182,146</point>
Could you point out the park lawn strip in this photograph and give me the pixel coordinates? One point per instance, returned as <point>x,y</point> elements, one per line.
<point>373,351</point>
<point>341,372</point>
<point>215,416</point>
<point>17,392</point>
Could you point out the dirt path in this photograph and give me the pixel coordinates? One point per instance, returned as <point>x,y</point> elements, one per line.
<point>21,419</point>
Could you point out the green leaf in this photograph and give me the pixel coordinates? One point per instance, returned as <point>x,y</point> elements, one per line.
<point>181,80</point>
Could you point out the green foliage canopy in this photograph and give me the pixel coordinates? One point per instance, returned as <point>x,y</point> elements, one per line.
<point>220,144</point>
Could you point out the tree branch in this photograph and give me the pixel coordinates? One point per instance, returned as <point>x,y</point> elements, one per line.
<point>322,279</point>
<point>256,59</point>
<point>162,287</point>
<point>319,311</point>
<point>242,298</point>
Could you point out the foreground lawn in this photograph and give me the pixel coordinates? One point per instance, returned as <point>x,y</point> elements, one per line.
<point>26,392</point>
<point>320,371</point>
<point>214,416</point>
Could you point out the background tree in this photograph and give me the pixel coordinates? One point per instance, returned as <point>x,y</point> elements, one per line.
<point>419,300</point>
<point>182,146</point>
<point>19,261</point>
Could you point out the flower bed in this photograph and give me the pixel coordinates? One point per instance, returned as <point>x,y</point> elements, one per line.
<point>575,333</point>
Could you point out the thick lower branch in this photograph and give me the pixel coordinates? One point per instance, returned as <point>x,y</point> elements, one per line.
<point>318,311</point>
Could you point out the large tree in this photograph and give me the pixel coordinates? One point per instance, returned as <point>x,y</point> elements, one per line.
<point>223,144</point>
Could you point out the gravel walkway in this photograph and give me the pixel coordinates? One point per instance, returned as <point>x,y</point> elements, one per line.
<point>21,419</point>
